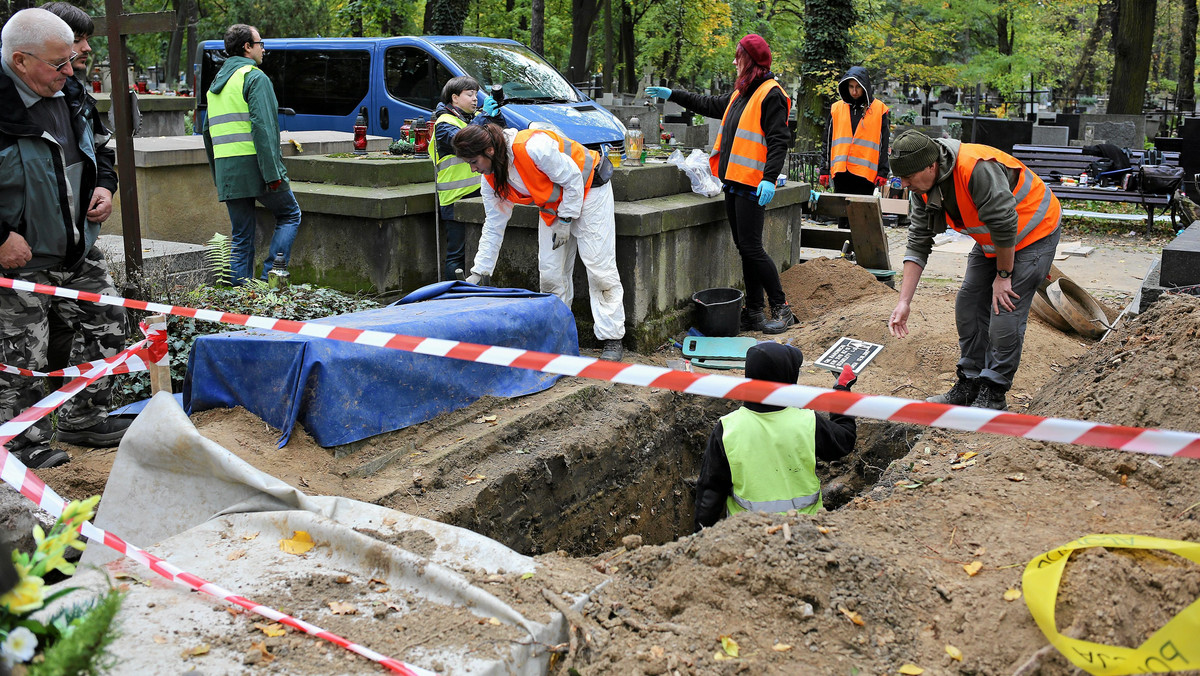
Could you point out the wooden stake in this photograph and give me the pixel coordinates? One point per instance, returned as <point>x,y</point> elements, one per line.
<point>160,374</point>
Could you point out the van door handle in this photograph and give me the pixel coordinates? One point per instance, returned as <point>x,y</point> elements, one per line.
<point>287,111</point>
<point>383,117</point>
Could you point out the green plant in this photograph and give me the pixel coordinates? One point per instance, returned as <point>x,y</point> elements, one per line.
<point>908,117</point>
<point>219,255</point>
<point>401,146</point>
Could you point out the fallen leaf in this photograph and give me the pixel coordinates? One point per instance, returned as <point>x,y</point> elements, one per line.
<point>494,622</point>
<point>375,580</point>
<point>852,616</point>
<point>527,576</point>
<point>489,418</point>
<point>657,651</point>
<point>261,647</point>
<point>160,639</point>
<point>195,652</point>
<point>388,521</point>
<point>954,653</point>
<point>343,579</point>
<point>962,465</point>
<point>303,482</point>
<point>274,629</point>
<point>1012,594</point>
<point>771,530</point>
<point>729,645</point>
<point>235,555</point>
<point>1092,504</point>
<point>972,568</point>
<point>721,657</point>
<point>910,485</point>
<point>342,608</point>
<point>781,647</point>
<point>250,536</point>
<point>235,610</point>
<point>300,542</point>
<point>474,479</point>
<point>911,669</point>
<point>1019,476</point>
<point>979,551</point>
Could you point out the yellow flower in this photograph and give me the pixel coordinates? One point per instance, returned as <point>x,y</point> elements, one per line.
<point>80,511</point>
<point>26,596</point>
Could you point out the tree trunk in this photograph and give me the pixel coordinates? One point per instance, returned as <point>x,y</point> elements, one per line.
<point>1187,57</point>
<point>1103,24</point>
<point>583,15</point>
<point>1005,34</point>
<point>445,17</point>
<point>537,26</point>
<point>629,78</point>
<point>609,63</point>
<point>1133,37</point>
<point>182,9</point>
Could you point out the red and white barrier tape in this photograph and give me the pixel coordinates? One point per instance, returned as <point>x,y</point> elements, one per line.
<point>895,409</point>
<point>16,474</point>
<point>155,353</point>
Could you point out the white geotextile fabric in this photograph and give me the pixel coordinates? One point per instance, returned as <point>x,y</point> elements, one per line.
<point>195,499</point>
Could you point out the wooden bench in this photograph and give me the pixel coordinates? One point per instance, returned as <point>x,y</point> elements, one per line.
<point>1046,161</point>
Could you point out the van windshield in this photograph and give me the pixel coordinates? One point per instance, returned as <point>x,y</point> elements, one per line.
<point>526,78</point>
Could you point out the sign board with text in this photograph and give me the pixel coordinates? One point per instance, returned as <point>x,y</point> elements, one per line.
<point>856,353</point>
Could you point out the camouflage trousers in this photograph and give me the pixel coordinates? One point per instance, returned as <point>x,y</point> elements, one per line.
<point>24,340</point>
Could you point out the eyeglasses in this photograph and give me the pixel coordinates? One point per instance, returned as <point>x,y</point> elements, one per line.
<point>258,42</point>
<point>58,67</point>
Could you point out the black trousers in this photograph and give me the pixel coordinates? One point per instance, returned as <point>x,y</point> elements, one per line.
<point>758,270</point>
<point>851,184</point>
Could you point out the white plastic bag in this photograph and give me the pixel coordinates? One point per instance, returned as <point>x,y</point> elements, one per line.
<point>697,169</point>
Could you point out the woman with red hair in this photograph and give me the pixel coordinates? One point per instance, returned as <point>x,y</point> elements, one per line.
<point>748,154</point>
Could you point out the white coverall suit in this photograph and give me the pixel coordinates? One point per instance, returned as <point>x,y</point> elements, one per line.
<point>593,234</point>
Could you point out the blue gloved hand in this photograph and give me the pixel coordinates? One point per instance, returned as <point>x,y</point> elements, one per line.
<point>490,107</point>
<point>663,93</point>
<point>765,192</point>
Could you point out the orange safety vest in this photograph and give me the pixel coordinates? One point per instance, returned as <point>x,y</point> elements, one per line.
<point>543,192</point>
<point>857,151</point>
<point>748,152</point>
<point>1038,209</point>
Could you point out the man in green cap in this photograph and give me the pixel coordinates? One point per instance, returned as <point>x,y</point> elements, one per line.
<point>1013,218</point>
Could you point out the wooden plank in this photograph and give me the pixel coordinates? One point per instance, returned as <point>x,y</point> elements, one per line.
<point>160,374</point>
<point>823,238</point>
<point>833,204</point>
<point>866,233</point>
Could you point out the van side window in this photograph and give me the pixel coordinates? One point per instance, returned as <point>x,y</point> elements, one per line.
<point>322,81</point>
<point>412,76</point>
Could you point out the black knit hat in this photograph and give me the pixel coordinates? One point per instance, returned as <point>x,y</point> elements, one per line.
<point>911,152</point>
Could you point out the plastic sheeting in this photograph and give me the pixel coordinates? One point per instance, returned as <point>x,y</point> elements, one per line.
<point>168,482</point>
<point>343,392</point>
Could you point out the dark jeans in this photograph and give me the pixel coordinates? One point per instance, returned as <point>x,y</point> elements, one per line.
<point>759,271</point>
<point>851,184</point>
<point>281,203</point>
<point>990,344</point>
<point>456,242</point>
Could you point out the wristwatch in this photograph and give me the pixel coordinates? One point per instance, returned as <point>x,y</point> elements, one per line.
<point>1004,274</point>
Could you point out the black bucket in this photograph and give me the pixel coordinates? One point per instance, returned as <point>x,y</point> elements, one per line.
<point>719,311</point>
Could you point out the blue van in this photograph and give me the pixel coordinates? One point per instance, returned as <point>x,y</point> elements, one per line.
<point>322,83</point>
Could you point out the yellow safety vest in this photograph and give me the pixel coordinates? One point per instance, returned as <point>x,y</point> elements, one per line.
<point>454,177</point>
<point>772,460</point>
<point>229,118</point>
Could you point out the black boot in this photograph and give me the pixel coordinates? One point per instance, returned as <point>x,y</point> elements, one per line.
<point>781,319</point>
<point>990,395</point>
<point>753,320</point>
<point>963,393</point>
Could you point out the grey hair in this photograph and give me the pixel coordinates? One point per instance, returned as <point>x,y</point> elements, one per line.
<point>32,29</point>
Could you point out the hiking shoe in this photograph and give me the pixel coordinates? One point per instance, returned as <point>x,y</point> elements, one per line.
<point>104,434</point>
<point>781,319</point>
<point>753,320</point>
<point>990,395</point>
<point>42,457</point>
<point>613,351</point>
<point>963,393</point>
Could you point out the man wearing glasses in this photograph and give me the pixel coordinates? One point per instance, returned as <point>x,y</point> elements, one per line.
<point>48,177</point>
<point>241,135</point>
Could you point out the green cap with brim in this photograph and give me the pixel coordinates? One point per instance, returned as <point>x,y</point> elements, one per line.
<point>911,152</point>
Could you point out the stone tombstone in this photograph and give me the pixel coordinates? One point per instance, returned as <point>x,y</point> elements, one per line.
<point>998,133</point>
<point>1071,122</point>
<point>1049,135</point>
<point>1121,134</point>
<point>1136,138</point>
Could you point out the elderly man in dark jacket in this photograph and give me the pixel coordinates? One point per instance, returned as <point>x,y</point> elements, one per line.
<point>48,185</point>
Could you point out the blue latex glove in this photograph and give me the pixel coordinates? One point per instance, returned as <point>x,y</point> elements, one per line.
<point>490,107</point>
<point>663,93</point>
<point>765,192</point>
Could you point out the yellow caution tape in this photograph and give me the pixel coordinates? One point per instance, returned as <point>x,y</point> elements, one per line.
<point>1172,648</point>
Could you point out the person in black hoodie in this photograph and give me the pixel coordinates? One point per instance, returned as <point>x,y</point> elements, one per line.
<point>748,154</point>
<point>856,137</point>
<point>763,458</point>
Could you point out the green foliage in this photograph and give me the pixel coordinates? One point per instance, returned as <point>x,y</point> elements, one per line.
<point>218,255</point>
<point>83,649</point>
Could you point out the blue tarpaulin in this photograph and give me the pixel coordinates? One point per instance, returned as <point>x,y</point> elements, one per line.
<point>343,392</point>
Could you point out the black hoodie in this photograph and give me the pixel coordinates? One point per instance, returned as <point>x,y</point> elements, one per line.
<point>835,436</point>
<point>857,108</point>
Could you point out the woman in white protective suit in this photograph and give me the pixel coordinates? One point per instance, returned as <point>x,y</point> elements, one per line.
<point>569,185</point>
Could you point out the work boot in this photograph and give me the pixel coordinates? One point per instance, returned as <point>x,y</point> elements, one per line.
<point>104,434</point>
<point>781,319</point>
<point>990,395</point>
<point>42,457</point>
<point>753,320</point>
<point>613,351</point>
<point>963,393</point>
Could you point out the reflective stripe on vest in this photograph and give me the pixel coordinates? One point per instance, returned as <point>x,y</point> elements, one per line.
<point>1038,210</point>
<point>454,177</point>
<point>772,460</point>
<point>748,152</point>
<point>857,151</point>
<point>229,117</point>
<point>544,193</point>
